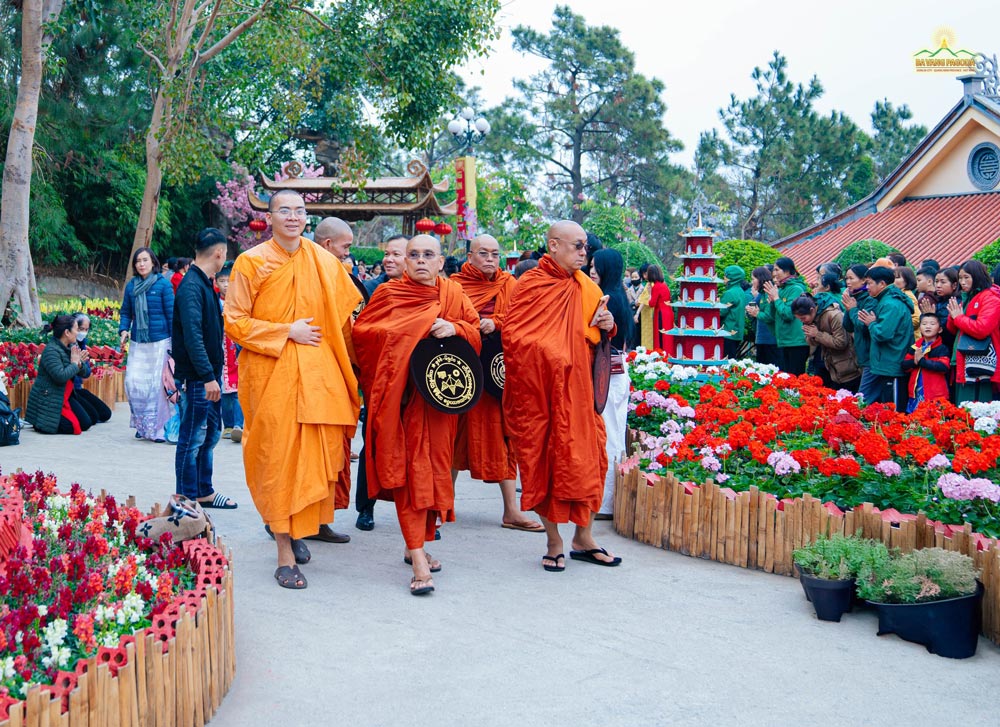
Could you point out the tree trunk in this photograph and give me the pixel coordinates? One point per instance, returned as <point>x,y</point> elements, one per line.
<point>154,181</point>
<point>17,272</point>
<point>576,177</point>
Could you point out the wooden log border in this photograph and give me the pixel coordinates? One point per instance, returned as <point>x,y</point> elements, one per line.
<point>109,388</point>
<point>749,530</point>
<point>175,681</point>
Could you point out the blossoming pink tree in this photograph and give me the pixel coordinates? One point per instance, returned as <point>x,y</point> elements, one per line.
<point>234,204</point>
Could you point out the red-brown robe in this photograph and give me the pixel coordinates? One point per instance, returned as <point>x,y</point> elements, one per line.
<point>559,440</point>
<point>481,446</point>
<point>409,443</point>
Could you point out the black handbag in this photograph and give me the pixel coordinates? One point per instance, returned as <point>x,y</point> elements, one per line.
<point>966,344</point>
<point>10,423</point>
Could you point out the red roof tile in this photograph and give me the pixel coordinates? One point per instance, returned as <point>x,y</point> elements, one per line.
<point>948,229</point>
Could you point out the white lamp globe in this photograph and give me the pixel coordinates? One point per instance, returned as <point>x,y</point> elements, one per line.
<point>468,114</point>
<point>455,127</point>
<point>482,125</point>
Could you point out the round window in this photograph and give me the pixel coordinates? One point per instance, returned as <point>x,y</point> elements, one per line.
<point>984,166</point>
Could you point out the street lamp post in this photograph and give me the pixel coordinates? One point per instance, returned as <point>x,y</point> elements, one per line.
<point>467,130</point>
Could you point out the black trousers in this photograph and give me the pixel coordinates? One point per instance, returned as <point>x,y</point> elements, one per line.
<point>361,500</point>
<point>767,353</point>
<point>66,426</point>
<point>97,410</point>
<point>792,359</point>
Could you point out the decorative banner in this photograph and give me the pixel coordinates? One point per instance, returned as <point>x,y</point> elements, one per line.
<point>465,201</point>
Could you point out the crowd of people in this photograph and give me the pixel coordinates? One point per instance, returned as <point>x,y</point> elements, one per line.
<point>295,344</point>
<point>882,330</point>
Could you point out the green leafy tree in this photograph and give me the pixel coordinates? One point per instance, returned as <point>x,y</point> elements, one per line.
<point>989,255</point>
<point>588,120</point>
<point>504,209</point>
<point>892,139</point>
<point>782,165</point>
<point>615,225</point>
<point>863,252</point>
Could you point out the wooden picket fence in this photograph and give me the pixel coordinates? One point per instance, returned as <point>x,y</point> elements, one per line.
<point>749,530</point>
<point>110,389</point>
<point>177,683</point>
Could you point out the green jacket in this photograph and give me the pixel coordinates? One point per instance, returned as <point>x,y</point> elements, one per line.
<point>891,332</point>
<point>46,398</point>
<point>734,317</point>
<point>862,341</point>
<point>778,315</point>
<point>825,299</point>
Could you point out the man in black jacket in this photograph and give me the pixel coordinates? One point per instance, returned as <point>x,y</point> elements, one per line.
<point>198,358</point>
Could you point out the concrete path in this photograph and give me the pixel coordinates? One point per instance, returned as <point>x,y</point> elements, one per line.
<point>664,639</point>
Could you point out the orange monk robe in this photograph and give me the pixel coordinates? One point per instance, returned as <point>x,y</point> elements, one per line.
<point>548,402</point>
<point>409,443</point>
<point>481,445</point>
<point>299,402</point>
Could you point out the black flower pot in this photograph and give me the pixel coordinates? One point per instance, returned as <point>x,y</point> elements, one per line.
<point>947,628</point>
<point>831,599</point>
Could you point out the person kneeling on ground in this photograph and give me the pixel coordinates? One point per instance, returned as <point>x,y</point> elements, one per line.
<point>51,409</point>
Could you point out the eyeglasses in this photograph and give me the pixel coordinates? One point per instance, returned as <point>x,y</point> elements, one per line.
<point>426,255</point>
<point>299,212</point>
<point>488,255</point>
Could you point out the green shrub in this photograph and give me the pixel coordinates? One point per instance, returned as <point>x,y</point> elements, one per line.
<point>931,574</point>
<point>863,252</point>
<point>989,255</point>
<point>635,254</point>
<point>839,557</point>
<point>748,254</point>
<point>367,255</point>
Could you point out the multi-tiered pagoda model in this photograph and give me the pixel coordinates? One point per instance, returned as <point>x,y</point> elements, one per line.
<point>698,336</point>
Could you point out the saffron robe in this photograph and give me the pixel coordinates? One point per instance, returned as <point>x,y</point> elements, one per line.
<point>548,404</point>
<point>481,445</point>
<point>409,444</point>
<point>299,401</point>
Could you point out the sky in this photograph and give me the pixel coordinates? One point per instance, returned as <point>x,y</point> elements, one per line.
<point>704,51</point>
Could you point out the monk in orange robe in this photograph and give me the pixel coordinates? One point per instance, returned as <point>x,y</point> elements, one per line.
<point>555,319</point>
<point>289,306</point>
<point>409,443</point>
<point>481,446</point>
<point>336,236</point>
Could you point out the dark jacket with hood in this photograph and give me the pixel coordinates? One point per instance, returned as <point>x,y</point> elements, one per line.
<point>891,332</point>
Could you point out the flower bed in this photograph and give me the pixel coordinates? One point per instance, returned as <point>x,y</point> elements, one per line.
<point>97,619</point>
<point>782,460</point>
<point>19,367</point>
<point>789,436</point>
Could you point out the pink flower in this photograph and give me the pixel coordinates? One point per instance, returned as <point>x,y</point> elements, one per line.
<point>888,468</point>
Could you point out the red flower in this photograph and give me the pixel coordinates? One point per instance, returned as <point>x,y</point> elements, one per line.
<point>643,409</point>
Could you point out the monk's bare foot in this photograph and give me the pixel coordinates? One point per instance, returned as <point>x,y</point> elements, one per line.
<point>593,551</point>
<point>286,556</point>
<point>420,586</point>
<point>432,564</point>
<point>513,522</point>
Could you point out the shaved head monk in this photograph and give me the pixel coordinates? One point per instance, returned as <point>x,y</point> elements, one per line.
<point>410,443</point>
<point>482,447</point>
<point>393,267</point>
<point>289,306</point>
<point>335,236</point>
<point>554,321</point>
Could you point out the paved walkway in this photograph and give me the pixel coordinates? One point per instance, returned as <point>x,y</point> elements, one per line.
<point>664,639</point>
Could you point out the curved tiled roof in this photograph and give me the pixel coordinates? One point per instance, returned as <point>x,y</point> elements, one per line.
<point>949,229</point>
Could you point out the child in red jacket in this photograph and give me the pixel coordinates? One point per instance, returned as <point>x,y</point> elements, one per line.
<point>928,363</point>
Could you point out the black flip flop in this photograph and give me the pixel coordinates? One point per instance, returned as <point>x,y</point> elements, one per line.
<point>299,549</point>
<point>589,556</point>
<point>289,576</point>
<point>409,561</point>
<point>555,559</point>
<point>219,502</point>
<point>422,590</point>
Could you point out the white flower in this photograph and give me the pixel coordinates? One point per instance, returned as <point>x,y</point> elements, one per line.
<point>985,424</point>
<point>7,668</point>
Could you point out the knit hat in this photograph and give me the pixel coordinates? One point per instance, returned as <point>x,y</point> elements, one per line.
<point>735,274</point>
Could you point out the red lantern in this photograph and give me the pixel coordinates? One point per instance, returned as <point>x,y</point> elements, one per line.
<point>258,225</point>
<point>442,229</point>
<point>424,225</point>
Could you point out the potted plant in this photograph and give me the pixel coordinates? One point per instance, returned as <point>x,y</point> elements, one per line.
<point>930,597</point>
<point>828,568</point>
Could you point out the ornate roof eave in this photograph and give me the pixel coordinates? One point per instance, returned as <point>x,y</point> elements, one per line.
<point>419,180</point>
<point>426,205</point>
